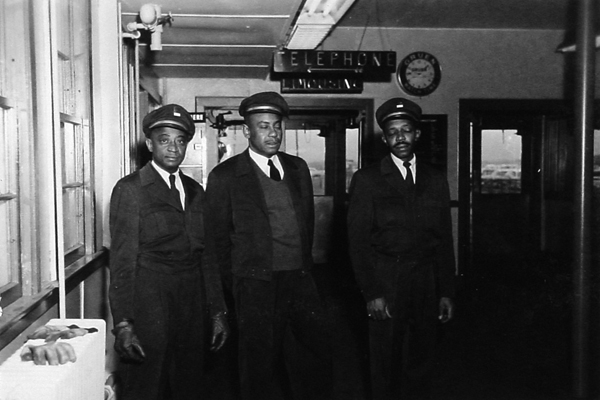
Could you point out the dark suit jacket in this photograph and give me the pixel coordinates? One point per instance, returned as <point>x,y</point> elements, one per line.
<point>238,220</point>
<point>150,230</point>
<point>389,222</point>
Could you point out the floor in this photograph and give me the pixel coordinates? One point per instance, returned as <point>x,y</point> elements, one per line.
<point>509,340</point>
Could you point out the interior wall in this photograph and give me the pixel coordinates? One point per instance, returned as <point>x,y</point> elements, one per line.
<point>498,64</point>
<point>476,64</point>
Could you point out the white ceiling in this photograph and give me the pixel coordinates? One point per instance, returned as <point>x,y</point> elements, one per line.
<point>236,38</point>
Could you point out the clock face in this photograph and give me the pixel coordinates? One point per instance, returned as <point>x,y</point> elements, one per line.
<point>419,74</point>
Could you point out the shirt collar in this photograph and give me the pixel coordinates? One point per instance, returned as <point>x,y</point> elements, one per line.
<point>399,163</point>
<point>261,161</point>
<point>165,174</point>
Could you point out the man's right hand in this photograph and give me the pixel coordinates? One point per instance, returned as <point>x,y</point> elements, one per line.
<point>378,310</point>
<point>127,345</point>
<point>51,353</point>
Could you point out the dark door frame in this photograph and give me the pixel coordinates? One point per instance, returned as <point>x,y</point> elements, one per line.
<point>492,114</point>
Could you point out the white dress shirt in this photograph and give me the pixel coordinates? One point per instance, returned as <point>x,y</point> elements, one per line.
<point>178,183</point>
<point>413,166</point>
<point>262,162</point>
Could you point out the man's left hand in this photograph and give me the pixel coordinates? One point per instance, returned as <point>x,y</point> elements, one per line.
<point>220,331</point>
<point>446,309</point>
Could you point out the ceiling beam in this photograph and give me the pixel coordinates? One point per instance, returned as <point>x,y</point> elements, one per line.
<point>214,65</point>
<point>218,46</point>
<point>222,16</point>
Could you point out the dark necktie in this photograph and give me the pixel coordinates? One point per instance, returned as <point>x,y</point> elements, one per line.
<point>409,176</point>
<point>174,192</point>
<point>273,171</point>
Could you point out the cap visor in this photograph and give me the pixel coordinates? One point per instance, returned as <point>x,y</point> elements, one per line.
<point>264,109</point>
<point>169,124</point>
<point>401,115</point>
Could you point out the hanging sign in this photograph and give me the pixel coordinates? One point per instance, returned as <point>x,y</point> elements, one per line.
<point>369,64</point>
<point>321,84</point>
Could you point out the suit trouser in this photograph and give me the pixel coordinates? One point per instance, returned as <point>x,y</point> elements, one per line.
<point>403,347</point>
<point>282,319</point>
<point>170,323</point>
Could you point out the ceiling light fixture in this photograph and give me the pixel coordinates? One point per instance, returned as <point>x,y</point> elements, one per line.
<point>314,23</point>
<point>151,19</point>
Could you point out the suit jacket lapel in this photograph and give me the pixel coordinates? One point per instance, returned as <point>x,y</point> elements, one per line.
<point>421,177</point>
<point>191,191</point>
<point>249,182</point>
<point>150,178</point>
<point>293,177</point>
<point>392,174</point>
<point>394,177</point>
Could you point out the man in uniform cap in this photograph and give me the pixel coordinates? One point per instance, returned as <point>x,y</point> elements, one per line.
<point>261,217</point>
<point>161,283</point>
<point>401,248</point>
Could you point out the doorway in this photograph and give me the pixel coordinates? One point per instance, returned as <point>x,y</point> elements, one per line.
<point>515,183</point>
<point>516,193</point>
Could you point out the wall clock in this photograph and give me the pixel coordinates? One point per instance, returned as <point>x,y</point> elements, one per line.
<point>419,74</point>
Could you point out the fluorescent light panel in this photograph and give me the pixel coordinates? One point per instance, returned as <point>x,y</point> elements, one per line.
<point>315,21</point>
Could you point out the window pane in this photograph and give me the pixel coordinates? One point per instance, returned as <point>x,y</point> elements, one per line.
<point>81,57</point>
<point>596,159</point>
<point>3,34</point>
<point>500,161</point>
<point>231,142</point>
<point>72,147</point>
<point>352,154</point>
<point>73,199</point>
<point>307,144</point>
<point>9,210</point>
<point>5,273</point>
<point>73,79</point>
<point>73,218</point>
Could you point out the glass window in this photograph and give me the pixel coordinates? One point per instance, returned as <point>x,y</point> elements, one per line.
<point>73,81</point>
<point>14,64</point>
<point>500,161</point>
<point>72,190</point>
<point>307,144</point>
<point>35,201</point>
<point>352,154</point>
<point>231,141</point>
<point>9,206</point>
<point>596,158</point>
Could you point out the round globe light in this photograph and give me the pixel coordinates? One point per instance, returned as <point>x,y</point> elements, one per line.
<point>148,14</point>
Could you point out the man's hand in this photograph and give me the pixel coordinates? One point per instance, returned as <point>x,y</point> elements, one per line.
<point>378,309</point>
<point>446,309</point>
<point>53,353</point>
<point>220,331</point>
<point>51,333</point>
<point>127,345</point>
